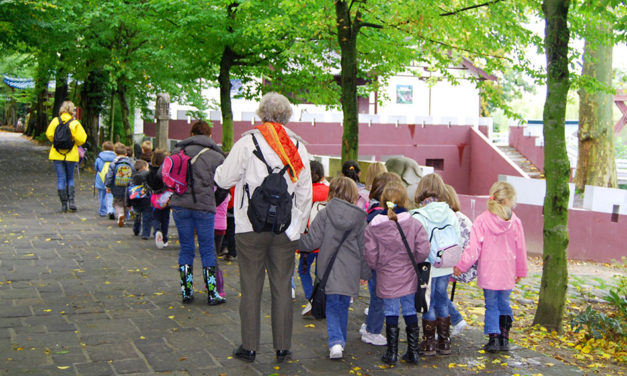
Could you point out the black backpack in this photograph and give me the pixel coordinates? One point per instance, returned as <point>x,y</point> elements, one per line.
<point>270,206</point>
<point>63,136</point>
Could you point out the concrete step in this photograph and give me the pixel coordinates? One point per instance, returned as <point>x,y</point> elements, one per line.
<point>522,162</point>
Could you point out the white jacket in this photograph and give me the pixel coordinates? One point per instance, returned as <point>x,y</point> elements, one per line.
<point>242,167</point>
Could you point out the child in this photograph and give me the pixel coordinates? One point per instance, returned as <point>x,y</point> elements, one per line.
<point>146,154</point>
<point>497,241</point>
<point>105,200</point>
<point>117,180</point>
<point>434,214</point>
<point>160,217</point>
<point>141,204</point>
<point>339,227</point>
<point>397,282</point>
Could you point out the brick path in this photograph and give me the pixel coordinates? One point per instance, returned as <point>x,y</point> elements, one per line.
<point>80,296</point>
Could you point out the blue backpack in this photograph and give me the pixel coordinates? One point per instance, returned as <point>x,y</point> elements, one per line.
<point>446,250</point>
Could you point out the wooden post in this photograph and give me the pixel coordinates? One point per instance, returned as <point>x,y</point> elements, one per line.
<point>162,117</point>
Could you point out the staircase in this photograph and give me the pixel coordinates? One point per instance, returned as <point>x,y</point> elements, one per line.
<point>521,161</point>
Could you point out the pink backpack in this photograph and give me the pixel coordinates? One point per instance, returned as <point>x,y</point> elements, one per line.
<point>177,172</point>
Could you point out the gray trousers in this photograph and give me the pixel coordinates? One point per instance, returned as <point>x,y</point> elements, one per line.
<point>256,253</point>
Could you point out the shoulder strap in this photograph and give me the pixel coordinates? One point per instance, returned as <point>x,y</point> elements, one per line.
<point>327,272</point>
<point>411,255</point>
<point>198,155</point>
<point>259,154</point>
<point>437,228</point>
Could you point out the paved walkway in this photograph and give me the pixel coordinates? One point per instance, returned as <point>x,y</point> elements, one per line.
<point>80,296</point>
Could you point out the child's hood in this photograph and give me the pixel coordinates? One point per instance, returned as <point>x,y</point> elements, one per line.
<point>344,215</point>
<point>437,212</point>
<point>106,155</point>
<point>496,224</point>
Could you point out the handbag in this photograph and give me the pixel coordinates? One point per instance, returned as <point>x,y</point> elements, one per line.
<point>422,297</point>
<point>318,299</point>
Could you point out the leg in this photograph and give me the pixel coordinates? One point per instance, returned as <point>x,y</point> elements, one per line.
<point>231,244</point>
<point>443,321</point>
<point>456,319</point>
<point>185,227</point>
<point>334,320</point>
<point>203,223</point>
<point>146,222</point>
<point>392,309</point>
<point>304,271</point>
<point>505,318</point>
<point>61,184</point>
<point>102,202</point>
<point>411,329</point>
<point>427,346</point>
<point>374,320</point>
<point>137,222</point>
<point>109,198</point>
<point>70,167</point>
<point>280,266</point>
<point>491,319</point>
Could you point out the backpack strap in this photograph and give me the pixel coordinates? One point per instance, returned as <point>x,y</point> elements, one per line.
<point>60,123</point>
<point>190,172</point>
<point>259,154</point>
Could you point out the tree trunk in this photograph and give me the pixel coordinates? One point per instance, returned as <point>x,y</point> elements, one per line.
<point>347,38</point>
<point>91,102</point>
<point>226,63</point>
<point>596,163</point>
<point>557,169</point>
<point>128,130</point>
<point>40,114</point>
<point>60,90</point>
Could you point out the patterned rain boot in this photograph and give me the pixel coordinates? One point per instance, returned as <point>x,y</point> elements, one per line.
<point>427,346</point>
<point>63,198</point>
<point>443,325</point>
<point>391,353</point>
<point>505,322</point>
<point>209,275</point>
<point>413,334</point>
<point>187,283</point>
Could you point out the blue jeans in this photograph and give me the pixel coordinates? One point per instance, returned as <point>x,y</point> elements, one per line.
<point>65,174</point>
<point>161,221</point>
<point>439,298</point>
<point>496,304</point>
<point>105,202</point>
<point>337,318</point>
<point>392,307</point>
<point>375,318</point>
<point>456,317</point>
<point>188,222</point>
<point>304,271</point>
<point>143,219</point>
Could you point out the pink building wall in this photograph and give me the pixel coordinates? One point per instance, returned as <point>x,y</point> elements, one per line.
<point>593,235</point>
<point>526,145</point>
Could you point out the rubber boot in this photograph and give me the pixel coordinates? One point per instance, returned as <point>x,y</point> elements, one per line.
<point>63,198</point>
<point>391,353</point>
<point>187,283</point>
<point>493,343</point>
<point>505,322</point>
<point>427,346</point>
<point>413,334</point>
<point>443,325</point>
<point>70,196</point>
<point>209,274</point>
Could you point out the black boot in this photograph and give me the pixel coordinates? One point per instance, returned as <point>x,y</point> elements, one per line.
<point>187,283</point>
<point>505,322</point>
<point>209,274</point>
<point>427,346</point>
<point>413,334</point>
<point>391,353</point>
<point>443,324</point>
<point>63,198</point>
<point>70,197</point>
<point>493,343</point>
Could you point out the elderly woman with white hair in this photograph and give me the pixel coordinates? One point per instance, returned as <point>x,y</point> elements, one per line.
<point>66,135</point>
<point>269,146</point>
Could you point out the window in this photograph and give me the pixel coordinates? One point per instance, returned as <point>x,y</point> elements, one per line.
<point>437,164</point>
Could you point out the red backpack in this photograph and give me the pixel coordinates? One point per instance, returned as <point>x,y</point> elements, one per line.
<point>177,172</point>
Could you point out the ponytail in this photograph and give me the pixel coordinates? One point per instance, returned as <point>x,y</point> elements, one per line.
<point>499,192</point>
<point>391,214</point>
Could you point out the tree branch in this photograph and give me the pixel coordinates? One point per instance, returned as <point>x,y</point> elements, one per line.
<point>487,4</point>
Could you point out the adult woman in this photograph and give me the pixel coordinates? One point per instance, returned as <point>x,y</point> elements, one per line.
<point>257,251</point>
<point>65,160</point>
<point>195,215</point>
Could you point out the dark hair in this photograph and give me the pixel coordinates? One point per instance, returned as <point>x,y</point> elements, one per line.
<point>350,169</point>
<point>139,164</point>
<point>317,171</point>
<point>379,183</point>
<point>200,127</point>
<point>158,156</point>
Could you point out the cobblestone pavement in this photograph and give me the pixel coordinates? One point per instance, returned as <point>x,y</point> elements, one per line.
<point>82,296</point>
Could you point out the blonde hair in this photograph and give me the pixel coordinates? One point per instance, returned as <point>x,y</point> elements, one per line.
<point>374,170</point>
<point>499,193</point>
<point>343,188</point>
<point>67,107</point>
<point>394,195</point>
<point>158,156</point>
<point>119,148</point>
<point>452,199</point>
<point>430,185</point>
<point>274,107</point>
<point>146,146</point>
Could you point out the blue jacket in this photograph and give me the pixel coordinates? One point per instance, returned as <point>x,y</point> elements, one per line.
<point>104,156</point>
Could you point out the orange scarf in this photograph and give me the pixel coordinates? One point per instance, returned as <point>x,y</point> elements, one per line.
<point>280,142</point>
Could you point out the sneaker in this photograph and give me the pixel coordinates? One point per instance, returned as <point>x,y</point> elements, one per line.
<point>366,310</point>
<point>293,293</point>
<point>363,330</point>
<point>307,310</point>
<point>458,328</point>
<point>335,352</point>
<point>374,339</point>
<point>165,245</point>
<point>159,239</point>
<point>120,220</point>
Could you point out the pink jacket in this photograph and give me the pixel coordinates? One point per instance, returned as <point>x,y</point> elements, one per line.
<point>220,219</point>
<point>499,246</point>
<point>386,254</point>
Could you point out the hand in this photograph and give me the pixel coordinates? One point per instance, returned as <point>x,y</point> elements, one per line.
<point>363,282</point>
<point>456,271</point>
<point>518,279</point>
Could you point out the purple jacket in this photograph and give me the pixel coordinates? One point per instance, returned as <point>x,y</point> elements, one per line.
<point>499,245</point>
<point>386,254</point>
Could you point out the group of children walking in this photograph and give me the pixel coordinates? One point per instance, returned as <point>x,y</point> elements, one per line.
<point>375,242</point>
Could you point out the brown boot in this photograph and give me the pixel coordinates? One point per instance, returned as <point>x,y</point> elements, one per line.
<point>427,346</point>
<point>444,337</point>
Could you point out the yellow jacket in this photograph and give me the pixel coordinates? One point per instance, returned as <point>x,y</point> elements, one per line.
<point>78,134</point>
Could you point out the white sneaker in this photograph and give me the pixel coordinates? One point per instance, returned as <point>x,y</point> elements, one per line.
<point>293,293</point>
<point>335,352</point>
<point>363,330</point>
<point>366,310</point>
<point>159,239</point>
<point>306,310</point>
<point>374,339</point>
<point>165,245</point>
<point>458,328</point>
